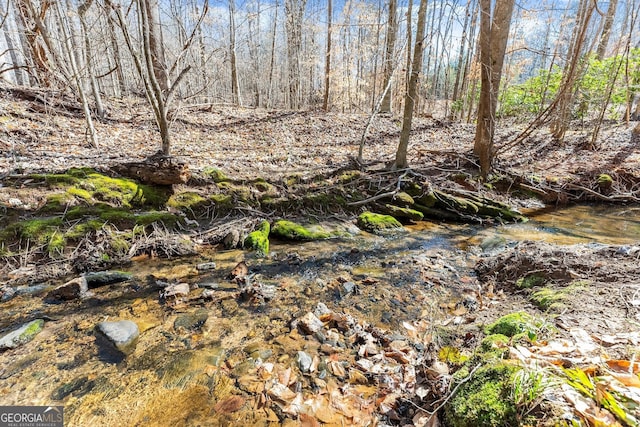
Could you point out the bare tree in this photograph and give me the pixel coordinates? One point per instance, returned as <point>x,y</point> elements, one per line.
<point>572,69</point>
<point>327,64</point>
<point>410,98</point>
<point>294,11</point>
<point>606,29</point>
<point>389,54</point>
<point>146,66</point>
<point>494,34</point>
<point>235,84</point>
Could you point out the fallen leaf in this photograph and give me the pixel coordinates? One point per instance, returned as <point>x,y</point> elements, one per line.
<point>229,405</point>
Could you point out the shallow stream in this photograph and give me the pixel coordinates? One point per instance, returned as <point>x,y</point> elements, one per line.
<point>195,351</point>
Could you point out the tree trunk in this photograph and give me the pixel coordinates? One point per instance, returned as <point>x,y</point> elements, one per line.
<point>606,29</point>
<point>494,34</point>
<point>389,54</point>
<point>572,70</point>
<point>235,85</point>
<point>410,98</point>
<point>460,67</point>
<point>327,64</point>
<point>17,69</point>
<point>294,11</point>
<point>70,52</point>
<point>82,10</point>
<point>156,46</point>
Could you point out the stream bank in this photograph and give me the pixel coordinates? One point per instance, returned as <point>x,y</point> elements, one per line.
<point>351,330</point>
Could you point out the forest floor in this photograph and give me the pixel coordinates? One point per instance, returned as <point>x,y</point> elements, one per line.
<point>247,144</point>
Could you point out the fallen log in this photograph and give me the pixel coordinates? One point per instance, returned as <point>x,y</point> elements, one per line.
<point>157,169</point>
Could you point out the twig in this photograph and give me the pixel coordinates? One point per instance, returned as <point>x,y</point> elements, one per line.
<point>449,396</point>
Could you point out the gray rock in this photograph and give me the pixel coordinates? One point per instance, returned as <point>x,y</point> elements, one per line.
<point>176,290</point>
<point>102,278</point>
<point>206,266</point>
<point>22,335</point>
<point>6,293</point>
<point>321,309</point>
<point>304,361</point>
<point>73,289</point>
<point>191,321</point>
<point>310,324</point>
<point>348,287</point>
<point>31,290</point>
<point>122,335</point>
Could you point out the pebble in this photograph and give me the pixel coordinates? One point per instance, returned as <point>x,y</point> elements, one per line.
<point>304,361</point>
<point>310,324</point>
<point>206,266</point>
<point>321,309</point>
<point>22,335</point>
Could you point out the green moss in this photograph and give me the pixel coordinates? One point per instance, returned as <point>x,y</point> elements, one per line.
<point>263,186</point>
<point>375,223</point>
<point>120,245</point>
<point>403,199</point>
<point>80,230</point>
<point>530,281</point>
<point>485,399</point>
<point>118,216</point>
<point>289,230</point>
<point>55,180</point>
<point>222,200</point>
<point>604,180</point>
<point>406,213</point>
<point>186,200</point>
<point>553,299</point>
<point>39,230</point>
<point>427,200</point>
<point>512,324</point>
<point>80,193</point>
<point>56,244</point>
<point>493,347</point>
<point>57,202</point>
<point>215,174</point>
<point>349,176</point>
<point>258,240</point>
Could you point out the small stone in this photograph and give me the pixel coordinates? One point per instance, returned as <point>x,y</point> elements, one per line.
<point>22,335</point>
<point>6,293</point>
<point>122,335</point>
<point>348,287</point>
<point>304,361</point>
<point>176,290</point>
<point>191,321</point>
<point>206,266</point>
<point>102,278</point>
<point>73,289</point>
<point>310,324</point>
<point>321,309</point>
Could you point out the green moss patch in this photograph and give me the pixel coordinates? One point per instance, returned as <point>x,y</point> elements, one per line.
<point>512,324</point>
<point>404,213</point>
<point>485,399</point>
<point>215,174</point>
<point>376,223</point>
<point>258,240</point>
<point>530,281</point>
<point>186,200</point>
<point>288,230</point>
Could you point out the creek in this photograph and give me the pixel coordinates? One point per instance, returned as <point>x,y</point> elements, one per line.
<point>189,348</point>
